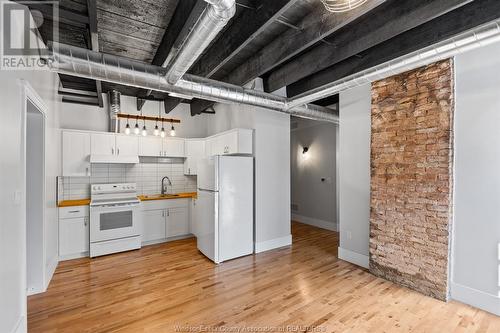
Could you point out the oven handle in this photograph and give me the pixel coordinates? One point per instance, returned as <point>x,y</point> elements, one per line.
<point>117,205</point>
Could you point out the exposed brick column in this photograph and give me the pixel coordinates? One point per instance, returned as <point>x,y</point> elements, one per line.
<point>411,178</point>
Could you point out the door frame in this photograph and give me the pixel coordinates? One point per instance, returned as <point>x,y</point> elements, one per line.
<point>28,94</point>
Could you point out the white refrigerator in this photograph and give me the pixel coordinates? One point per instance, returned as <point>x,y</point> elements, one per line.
<point>224,208</point>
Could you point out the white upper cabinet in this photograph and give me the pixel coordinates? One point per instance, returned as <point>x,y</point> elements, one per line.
<point>150,146</point>
<point>236,141</point>
<point>173,147</point>
<point>102,144</point>
<point>76,154</point>
<point>127,145</point>
<point>194,150</point>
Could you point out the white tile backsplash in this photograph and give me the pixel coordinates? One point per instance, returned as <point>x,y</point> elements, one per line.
<point>147,175</point>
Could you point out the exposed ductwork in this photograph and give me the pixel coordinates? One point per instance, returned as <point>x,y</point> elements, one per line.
<point>94,65</point>
<point>472,39</point>
<point>114,98</point>
<point>207,27</point>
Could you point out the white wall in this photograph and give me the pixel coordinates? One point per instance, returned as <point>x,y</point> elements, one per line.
<point>12,191</point>
<point>354,174</point>
<point>315,199</point>
<point>272,168</point>
<point>93,118</point>
<point>475,256</point>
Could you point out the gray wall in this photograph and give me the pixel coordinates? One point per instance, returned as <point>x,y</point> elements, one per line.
<point>315,200</point>
<point>475,257</point>
<point>354,174</point>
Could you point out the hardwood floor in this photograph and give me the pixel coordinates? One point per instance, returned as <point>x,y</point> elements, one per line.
<point>169,287</point>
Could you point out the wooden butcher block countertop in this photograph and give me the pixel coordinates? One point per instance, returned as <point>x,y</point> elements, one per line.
<point>85,202</point>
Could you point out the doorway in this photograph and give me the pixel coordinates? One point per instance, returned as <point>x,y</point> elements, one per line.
<point>35,196</point>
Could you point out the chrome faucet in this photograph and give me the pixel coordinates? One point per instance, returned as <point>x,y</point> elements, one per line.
<point>163,185</point>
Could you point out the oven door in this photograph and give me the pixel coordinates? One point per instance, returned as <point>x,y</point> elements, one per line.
<point>114,221</point>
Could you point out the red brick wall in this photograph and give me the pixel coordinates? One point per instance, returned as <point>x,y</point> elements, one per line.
<point>411,185</point>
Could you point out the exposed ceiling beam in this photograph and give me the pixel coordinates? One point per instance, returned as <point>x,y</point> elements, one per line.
<point>314,27</point>
<point>386,22</point>
<point>88,100</point>
<point>249,4</point>
<point>64,16</point>
<point>68,91</point>
<point>170,103</point>
<point>183,11</point>
<point>94,41</point>
<point>467,17</point>
<point>197,106</point>
<point>239,34</point>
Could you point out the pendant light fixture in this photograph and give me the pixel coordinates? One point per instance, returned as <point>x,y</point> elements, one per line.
<point>172,130</point>
<point>162,133</point>
<point>136,127</point>
<point>127,128</point>
<point>144,131</point>
<point>156,132</point>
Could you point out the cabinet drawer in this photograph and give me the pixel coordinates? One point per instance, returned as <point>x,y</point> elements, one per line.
<point>73,212</point>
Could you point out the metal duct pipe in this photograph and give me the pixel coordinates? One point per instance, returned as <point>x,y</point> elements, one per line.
<point>213,19</point>
<point>80,62</point>
<point>114,98</point>
<point>469,40</point>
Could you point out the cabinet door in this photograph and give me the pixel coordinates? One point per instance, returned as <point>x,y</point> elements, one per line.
<point>210,148</point>
<point>127,145</point>
<point>177,222</point>
<point>227,143</point>
<point>150,146</point>
<point>102,144</point>
<point>173,147</point>
<point>153,225</point>
<point>73,236</point>
<point>193,217</point>
<point>195,150</point>
<point>75,154</point>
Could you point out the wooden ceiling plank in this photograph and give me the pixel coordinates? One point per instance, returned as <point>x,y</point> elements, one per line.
<point>446,26</point>
<point>386,22</point>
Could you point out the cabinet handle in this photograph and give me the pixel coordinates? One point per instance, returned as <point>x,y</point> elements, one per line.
<point>162,213</point>
<point>168,212</point>
<point>189,171</point>
<point>118,151</point>
<point>85,221</point>
<point>74,211</point>
<point>112,151</point>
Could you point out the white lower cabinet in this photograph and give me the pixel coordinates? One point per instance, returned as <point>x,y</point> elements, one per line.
<point>165,219</point>
<point>74,232</point>
<point>153,225</point>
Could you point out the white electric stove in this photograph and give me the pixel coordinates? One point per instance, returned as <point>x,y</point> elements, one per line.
<point>115,223</point>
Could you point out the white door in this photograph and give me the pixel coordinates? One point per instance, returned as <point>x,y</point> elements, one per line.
<point>177,222</point>
<point>153,225</point>
<point>127,145</point>
<point>74,236</point>
<point>206,224</point>
<point>173,147</point>
<point>102,144</point>
<point>150,146</point>
<point>76,154</point>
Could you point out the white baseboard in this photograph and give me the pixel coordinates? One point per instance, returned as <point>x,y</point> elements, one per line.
<point>74,256</point>
<point>273,244</point>
<point>316,222</point>
<point>20,326</point>
<point>354,258</point>
<point>51,268</point>
<point>476,298</point>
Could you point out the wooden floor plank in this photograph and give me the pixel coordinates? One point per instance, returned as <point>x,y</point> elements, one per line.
<point>163,287</point>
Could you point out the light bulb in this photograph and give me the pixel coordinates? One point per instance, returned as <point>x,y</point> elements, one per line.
<point>156,132</point>
<point>144,132</point>
<point>136,129</point>
<point>162,133</point>
<point>127,129</point>
<point>172,131</point>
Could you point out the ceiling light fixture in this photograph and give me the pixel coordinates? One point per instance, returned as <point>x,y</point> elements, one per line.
<point>305,150</point>
<point>144,131</point>
<point>340,6</point>
<point>136,127</point>
<point>172,130</point>
<point>162,133</point>
<point>127,128</point>
<point>156,131</point>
